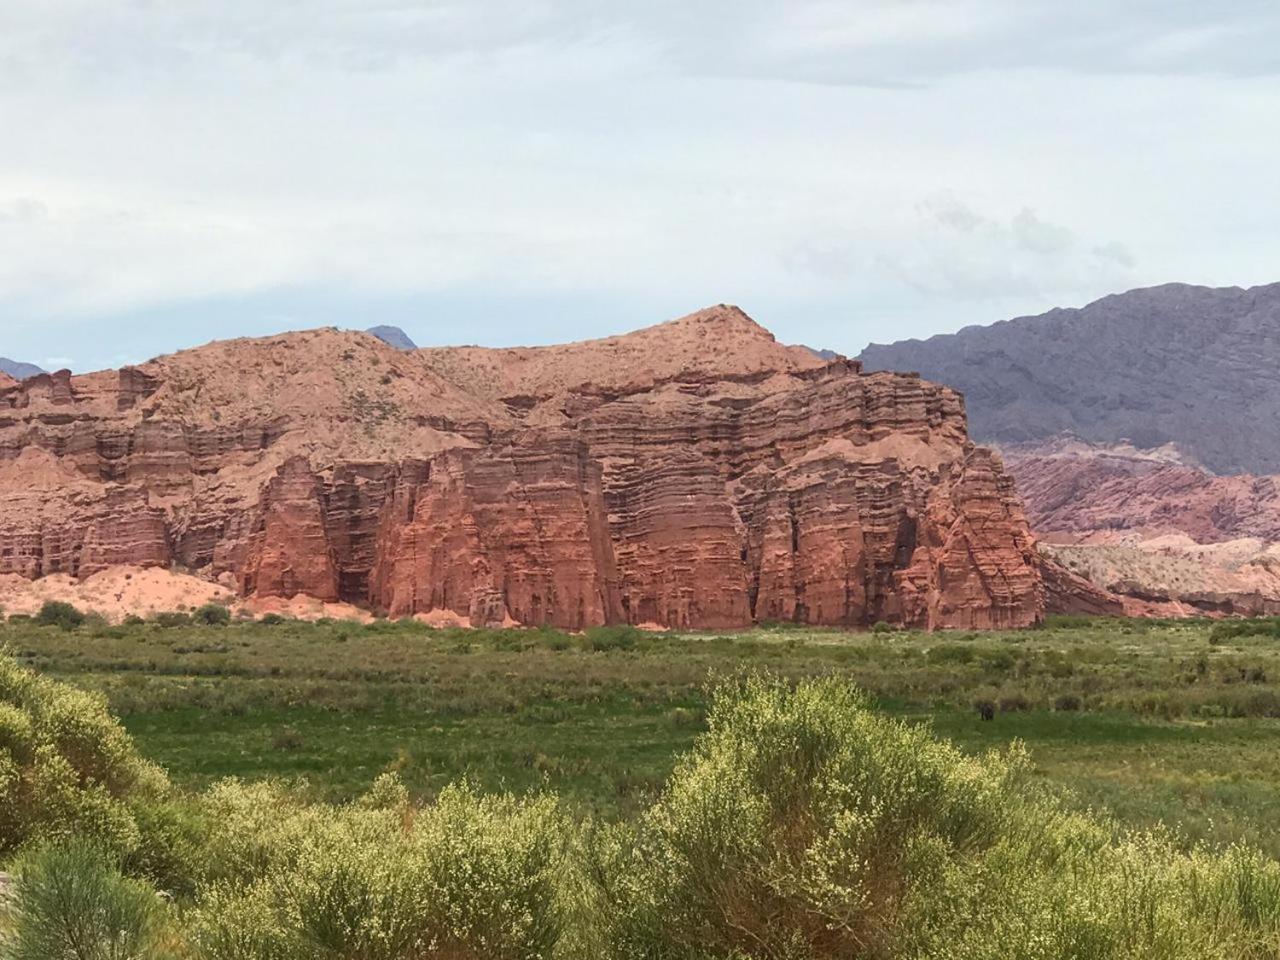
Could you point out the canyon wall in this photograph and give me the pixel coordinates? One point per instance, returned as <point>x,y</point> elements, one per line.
<point>696,474</point>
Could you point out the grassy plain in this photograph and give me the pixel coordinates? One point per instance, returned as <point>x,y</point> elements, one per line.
<point>1151,720</point>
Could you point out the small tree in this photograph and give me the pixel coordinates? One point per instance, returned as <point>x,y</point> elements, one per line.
<point>56,613</point>
<point>71,902</point>
<point>212,615</point>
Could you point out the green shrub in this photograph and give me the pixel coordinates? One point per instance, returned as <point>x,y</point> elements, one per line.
<point>173,832</point>
<point>212,615</point>
<point>271,619</point>
<point>803,826</point>
<point>1236,629</point>
<point>951,653</point>
<point>71,903</point>
<point>55,613</point>
<point>171,618</point>
<point>619,637</point>
<point>469,876</point>
<point>880,626</point>
<point>66,766</point>
<point>1071,621</point>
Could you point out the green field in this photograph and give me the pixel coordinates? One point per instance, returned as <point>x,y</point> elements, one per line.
<point>1152,721</point>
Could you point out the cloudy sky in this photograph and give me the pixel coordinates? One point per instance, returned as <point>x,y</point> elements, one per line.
<point>527,171</point>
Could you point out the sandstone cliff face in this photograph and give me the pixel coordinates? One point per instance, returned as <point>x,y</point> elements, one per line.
<point>697,474</point>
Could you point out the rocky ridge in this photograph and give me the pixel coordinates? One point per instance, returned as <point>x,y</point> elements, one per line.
<point>15,370</point>
<point>696,474</point>
<point>1078,492</point>
<point>1153,527</point>
<point>1141,430</point>
<point>1195,366</point>
<point>393,336</point>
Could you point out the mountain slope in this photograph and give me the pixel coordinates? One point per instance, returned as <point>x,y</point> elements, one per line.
<point>393,337</point>
<point>1078,491</point>
<point>17,370</point>
<point>1195,366</point>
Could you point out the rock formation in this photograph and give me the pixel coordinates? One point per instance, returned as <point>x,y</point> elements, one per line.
<point>1152,527</point>
<point>696,474</point>
<point>1075,490</point>
<point>1141,429</point>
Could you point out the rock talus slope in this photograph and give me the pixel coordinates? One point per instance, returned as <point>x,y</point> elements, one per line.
<point>695,474</point>
<point>1153,526</point>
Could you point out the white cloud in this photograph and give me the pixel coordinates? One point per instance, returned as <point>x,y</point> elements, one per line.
<point>829,165</point>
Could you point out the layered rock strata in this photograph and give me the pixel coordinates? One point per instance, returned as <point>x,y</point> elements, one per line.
<point>696,474</point>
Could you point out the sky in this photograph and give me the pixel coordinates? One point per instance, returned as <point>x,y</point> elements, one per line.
<point>502,172</point>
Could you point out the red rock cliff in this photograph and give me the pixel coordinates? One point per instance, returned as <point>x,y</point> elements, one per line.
<point>695,474</point>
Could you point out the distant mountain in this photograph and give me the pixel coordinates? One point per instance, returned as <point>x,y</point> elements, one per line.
<point>1194,366</point>
<point>823,354</point>
<point>393,336</point>
<point>19,371</point>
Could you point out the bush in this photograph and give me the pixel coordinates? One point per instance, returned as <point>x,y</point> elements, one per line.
<point>470,876</point>
<point>271,619</point>
<point>621,637</point>
<point>173,832</point>
<point>171,618</point>
<point>1013,703</point>
<point>71,902</point>
<point>1071,621</point>
<point>880,626</point>
<point>55,613</point>
<point>1234,629</point>
<point>951,653</point>
<point>212,615</point>
<point>804,826</point>
<point>66,766</point>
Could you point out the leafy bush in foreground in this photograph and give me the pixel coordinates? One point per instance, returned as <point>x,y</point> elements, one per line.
<point>71,903</point>
<point>804,826</point>
<point>66,766</point>
<point>469,876</point>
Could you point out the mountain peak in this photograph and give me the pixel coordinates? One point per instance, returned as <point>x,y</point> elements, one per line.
<point>392,336</point>
<point>18,370</point>
<point>1196,366</point>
